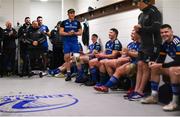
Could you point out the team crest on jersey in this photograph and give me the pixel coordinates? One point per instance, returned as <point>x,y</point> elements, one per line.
<point>146,17</point>
<point>75,23</point>
<point>116,42</point>
<point>23,102</point>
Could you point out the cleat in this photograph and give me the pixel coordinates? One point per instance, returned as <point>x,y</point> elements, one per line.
<point>130,91</point>
<point>150,100</point>
<point>51,72</point>
<point>73,75</point>
<point>128,96</point>
<point>90,83</point>
<point>60,75</point>
<point>82,80</point>
<point>136,96</point>
<point>40,74</point>
<point>170,107</point>
<point>68,78</point>
<point>101,89</point>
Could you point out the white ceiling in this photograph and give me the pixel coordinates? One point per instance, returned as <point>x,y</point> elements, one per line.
<point>47,1</point>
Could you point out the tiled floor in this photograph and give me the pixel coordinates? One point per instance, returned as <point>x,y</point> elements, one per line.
<point>49,96</point>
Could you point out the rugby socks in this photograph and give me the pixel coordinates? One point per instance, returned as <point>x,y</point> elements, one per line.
<point>103,78</point>
<point>176,93</point>
<point>74,68</point>
<point>112,81</point>
<point>85,68</point>
<point>56,71</point>
<point>154,88</point>
<point>80,72</point>
<point>68,73</point>
<point>94,74</point>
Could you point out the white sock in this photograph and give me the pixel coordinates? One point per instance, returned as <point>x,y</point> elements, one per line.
<point>175,99</point>
<point>154,93</point>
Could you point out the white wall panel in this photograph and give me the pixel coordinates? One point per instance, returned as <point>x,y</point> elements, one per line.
<point>67,4</point>
<point>6,11</point>
<point>124,22</point>
<point>170,10</point>
<point>50,11</point>
<point>82,5</point>
<point>21,10</point>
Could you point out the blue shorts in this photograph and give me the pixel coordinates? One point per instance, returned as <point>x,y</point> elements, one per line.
<point>71,47</point>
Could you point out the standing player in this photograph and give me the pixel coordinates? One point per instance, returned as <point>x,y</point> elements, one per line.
<point>44,29</point>
<point>70,29</point>
<point>22,34</point>
<point>148,27</point>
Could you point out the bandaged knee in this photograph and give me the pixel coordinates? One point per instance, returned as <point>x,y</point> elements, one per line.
<point>76,58</point>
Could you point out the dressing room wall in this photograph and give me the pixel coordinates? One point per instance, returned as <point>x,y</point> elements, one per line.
<point>55,10</point>
<point>125,21</point>
<point>16,10</point>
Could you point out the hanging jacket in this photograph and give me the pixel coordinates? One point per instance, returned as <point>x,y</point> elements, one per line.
<point>85,35</point>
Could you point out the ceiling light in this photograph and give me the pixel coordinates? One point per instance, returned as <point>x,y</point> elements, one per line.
<point>43,0</point>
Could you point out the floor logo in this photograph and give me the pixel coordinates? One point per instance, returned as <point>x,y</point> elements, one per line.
<point>32,103</point>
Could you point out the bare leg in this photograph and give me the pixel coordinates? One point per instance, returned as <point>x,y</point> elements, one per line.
<point>145,78</point>
<point>110,66</point>
<point>139,75</point>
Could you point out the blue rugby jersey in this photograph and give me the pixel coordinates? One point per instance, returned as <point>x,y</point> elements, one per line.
<point>94,46</point>
<point>133,46</point>
<point>44,29</point>
<point>173,50</point>
<point>69,26</point>
<point>113,45</point>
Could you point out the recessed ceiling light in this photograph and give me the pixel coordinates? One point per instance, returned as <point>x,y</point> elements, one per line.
<point>43,0</point>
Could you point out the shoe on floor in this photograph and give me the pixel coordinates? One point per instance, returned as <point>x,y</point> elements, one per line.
<point>170,107</point>
<point>82,80</point>
<point>73,75</point>
<point>128,95</point>
<point>51,72</point>
<point>90,83</point>
<point>68,78</point>
<point>60,75</point>
<point>101,88</point>
<point>150,100</point>
<point>136,96</point>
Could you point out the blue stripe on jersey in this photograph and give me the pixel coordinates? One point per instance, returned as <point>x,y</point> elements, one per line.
<point>133,46</point>
<point>94,46</point>
<point>172,47</point>
<point>113,45</point>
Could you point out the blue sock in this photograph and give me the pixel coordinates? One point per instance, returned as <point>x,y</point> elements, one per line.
<point>103,78</point>
<point>68,74</point>
<point>56,71</point>
<point>94,74</point>
<point>112,81</point>
<point>154,86</point>
<point>176,89</point>
<point>80,74</point>
<point>74,68</point>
